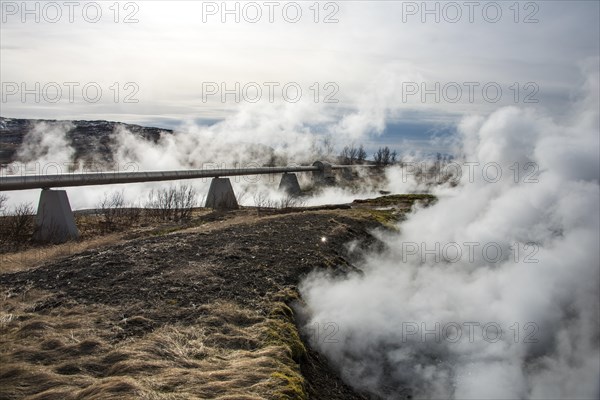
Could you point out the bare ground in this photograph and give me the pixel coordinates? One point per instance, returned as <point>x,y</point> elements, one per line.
<point>196,313</point>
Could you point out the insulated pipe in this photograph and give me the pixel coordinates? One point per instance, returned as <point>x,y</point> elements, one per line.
<point>103,178</point>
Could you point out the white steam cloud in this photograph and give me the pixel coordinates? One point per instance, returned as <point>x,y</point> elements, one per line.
<point>255,135</point>
<point>414,324</point>
<point>47,143</point>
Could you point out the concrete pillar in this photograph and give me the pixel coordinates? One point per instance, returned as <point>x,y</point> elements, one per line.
<point>220,195</point>
<point>54,221</point>
<point>289,184</point>
<point>324,175</point>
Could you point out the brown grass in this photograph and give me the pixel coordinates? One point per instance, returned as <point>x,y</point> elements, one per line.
<point>34,256</point>
<point>227,353</point>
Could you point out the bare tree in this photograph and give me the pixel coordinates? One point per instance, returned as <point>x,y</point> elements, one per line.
<point>172,203</point>
<point>3,201</point>
<point>184,202</point>
<point>262,200</point>
<point>344,157</point>
<point>350,154</point>
<point>111,209</point>
<point>132,213</point>
<point>353,153</point>
<point>19,224</point>
<point>160,203</point>
<point>290,201</point>
<point>361,154</point>
<point>384,156</point>
<point>328,146</point>
<point>240,195</point>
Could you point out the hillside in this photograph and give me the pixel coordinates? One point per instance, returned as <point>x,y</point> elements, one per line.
<point>202,312</point>
<point>90,139</point>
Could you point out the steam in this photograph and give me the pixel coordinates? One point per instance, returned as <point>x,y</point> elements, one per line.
<point>47,143</point>
<point>397,325</point>
<point>255,135</point>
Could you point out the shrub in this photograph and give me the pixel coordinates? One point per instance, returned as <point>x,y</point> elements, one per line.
<point>172,203</point>
<point>18,224</point>
<point>111,209</point>
<point>3,201</point>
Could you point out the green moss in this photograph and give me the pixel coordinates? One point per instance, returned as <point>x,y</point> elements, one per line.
<point>334,262</point>
<point>280,328</point>
<point>280,332</point>
<point>387,218</point>
<point>281,310</point>
<point>384,216</point>
<point>328,262</point>
<point>397,198</point>
<point>293,388</point>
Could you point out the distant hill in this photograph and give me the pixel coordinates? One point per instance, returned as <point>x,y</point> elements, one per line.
<point>93,142</point>
<point>90,139</point>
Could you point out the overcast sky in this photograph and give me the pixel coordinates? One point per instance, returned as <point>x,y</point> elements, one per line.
<point>171,57</point>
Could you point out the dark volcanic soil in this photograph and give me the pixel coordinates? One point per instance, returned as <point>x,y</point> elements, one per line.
<point>166,278</point>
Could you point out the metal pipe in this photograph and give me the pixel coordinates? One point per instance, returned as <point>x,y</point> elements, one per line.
<point>103,178</point>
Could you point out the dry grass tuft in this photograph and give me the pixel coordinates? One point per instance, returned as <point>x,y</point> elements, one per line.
<point>75,353</point>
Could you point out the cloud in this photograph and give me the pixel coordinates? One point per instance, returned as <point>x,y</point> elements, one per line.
<point>369,53</point>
